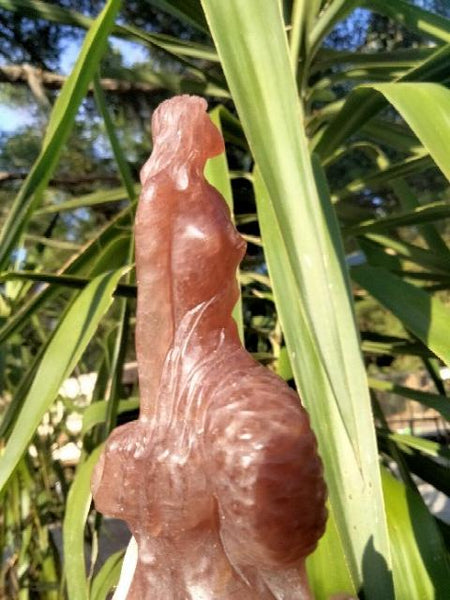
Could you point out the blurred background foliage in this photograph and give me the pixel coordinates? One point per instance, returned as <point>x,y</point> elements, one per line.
<point>74,233</point>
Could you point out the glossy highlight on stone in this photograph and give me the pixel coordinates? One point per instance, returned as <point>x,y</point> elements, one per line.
<point>219,479</point>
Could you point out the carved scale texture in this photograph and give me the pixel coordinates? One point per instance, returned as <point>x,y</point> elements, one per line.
<point>219,479</point>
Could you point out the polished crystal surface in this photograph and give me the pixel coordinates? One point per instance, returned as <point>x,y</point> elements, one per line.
<point>219,479</point>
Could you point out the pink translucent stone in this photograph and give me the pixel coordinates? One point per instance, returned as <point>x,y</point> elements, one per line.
<point>219,479</point>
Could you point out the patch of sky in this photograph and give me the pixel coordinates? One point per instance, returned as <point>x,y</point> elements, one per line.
<point>131,52</point>
<point>350,33</point>
<point>19,256</point>
<point>12,119</point>
<point>68,56</point>
<point>441,7</point>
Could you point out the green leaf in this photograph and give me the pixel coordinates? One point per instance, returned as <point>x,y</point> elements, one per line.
<point>401,57</point>
<point>413,17</point>
<point>102,253</point>
<point>435,401</point>
<point>217,173</point>
<point>329,558</point>
<point>432,365</point>
<point>107,577</point>
<point>188,11</point>
<point>426,446</point>
<point>113,390</point>
<point>71,281</point>
<point>425,107</point>
<point>93,199</point>
<point>96,412</point>
<point>409,201</point>
<point>364,102</point>
<point>42,10</point>
<point>62,354</point>
<point>380,177</point>
<point>425,316</point>
<point>333,12</point>
<point>124,169</point>
<point>380,344</point>
<point>426,468</point>
<point>58,129</point>
<point>283,366</point>
<point>395,135</point>
<point>312,380</point>
<point>421,569</point>
<point>410,252</point>
<point>77,510</point>
<point>434,211</point>
<point>36,9</point>
<point>306,264</point>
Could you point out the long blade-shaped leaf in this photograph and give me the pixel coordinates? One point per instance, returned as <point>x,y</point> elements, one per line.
<point>102,253</point>
<point>329,558</point>
<point>36,9</point>
<point>334,12</point>
<point>432,126</point>
<point>59,127</point>
<point>77,509</point>
<point>306,264</point>
<point>363,102</point>
<point>413,17</point>
<point>409,200</point>
<point>434,211</point>
<point>403,57</point>
<point>96,412</point>
<point>71,281</point>
<point>217,173</point>
<point>426,446</point>
<point>124,169</point>
<point>92,199</point>
<point>422,314</point>
<point>420,564</point>
<point>107,577</point>
<point>410,252</point>
<point>435,401</point>
<point>189,11</point>
<point>380,177</point>
<point>61,356</point>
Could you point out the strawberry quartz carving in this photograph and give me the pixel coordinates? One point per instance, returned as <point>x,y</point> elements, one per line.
<point>219,479</point>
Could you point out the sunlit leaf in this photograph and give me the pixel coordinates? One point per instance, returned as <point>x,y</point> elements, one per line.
<point>299,231</point>
<point>61,356</point>
<point>421,569</point>
<point>77,509</point>
<point>422,314</point>
<point>216,172</point>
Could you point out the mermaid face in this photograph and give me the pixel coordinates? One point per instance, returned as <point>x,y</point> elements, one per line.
<point>176,129</point>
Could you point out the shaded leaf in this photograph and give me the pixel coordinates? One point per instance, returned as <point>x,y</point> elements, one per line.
<point>77,509</point>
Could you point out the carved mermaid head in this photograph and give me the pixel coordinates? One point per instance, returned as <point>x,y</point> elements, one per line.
<point>181,129</point>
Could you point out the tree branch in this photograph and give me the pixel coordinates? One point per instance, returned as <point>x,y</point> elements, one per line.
<point>38,78</point>
<point>81,179</point>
